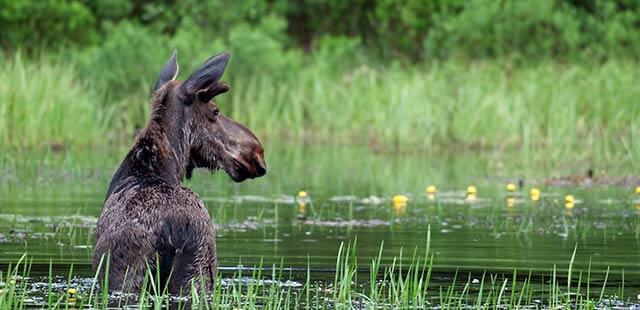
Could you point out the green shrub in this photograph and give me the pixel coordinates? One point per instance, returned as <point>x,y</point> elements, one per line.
<point>31,25</point>
<point>260,49</point>
<point>405,30</point>
<point>487,28</point>
<point>127,61</point>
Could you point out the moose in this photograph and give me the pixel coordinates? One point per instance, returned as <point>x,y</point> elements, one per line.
<point>150,224</point>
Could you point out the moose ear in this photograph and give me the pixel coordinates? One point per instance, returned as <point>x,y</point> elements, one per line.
<point>207,94</point>
<point>203,83</point>
<point>169,72</point>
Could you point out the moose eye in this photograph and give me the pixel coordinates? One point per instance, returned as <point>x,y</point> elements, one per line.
<point>213,114</point>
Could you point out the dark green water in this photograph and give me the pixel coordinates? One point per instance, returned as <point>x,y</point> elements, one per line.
<point>51,215</point>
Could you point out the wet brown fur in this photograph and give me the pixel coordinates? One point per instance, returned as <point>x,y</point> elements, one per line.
<point>149,222</point>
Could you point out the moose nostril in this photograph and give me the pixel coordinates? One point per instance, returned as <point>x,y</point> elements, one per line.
<point>261,167</point>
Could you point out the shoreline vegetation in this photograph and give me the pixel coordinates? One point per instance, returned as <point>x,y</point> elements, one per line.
<point>567,109</point>
<point>474,75</point>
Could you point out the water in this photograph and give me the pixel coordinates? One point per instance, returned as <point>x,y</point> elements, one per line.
<point>350,190</point>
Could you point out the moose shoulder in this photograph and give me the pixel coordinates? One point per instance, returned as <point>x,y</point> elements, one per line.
<point>149,222</point>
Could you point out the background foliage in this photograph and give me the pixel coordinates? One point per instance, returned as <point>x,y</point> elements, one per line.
<point>477,73</point>
<point>414,30</point>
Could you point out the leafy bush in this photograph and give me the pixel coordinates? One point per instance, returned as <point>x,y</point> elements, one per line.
<point>536,30</point>
<point>487,28</point>
<point>44,24</point>
<point>339,51</point>
<point>128,59</point>
<point>407,30</point>
<point>260,49</point>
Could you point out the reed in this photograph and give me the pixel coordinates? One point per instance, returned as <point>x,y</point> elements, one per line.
<point>588,111</point>
<point>47,105</point>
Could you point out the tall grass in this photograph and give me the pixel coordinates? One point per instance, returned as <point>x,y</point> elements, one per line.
<point>585,110</point>
<point>43,104</point>
<point>588,111</point>
<point>390,286</point>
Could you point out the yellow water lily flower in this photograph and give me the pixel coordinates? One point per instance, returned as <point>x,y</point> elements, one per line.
<point>569,199</point>
<point>400,199</point>
<point>472,190</point>
<point>535,194</point>
<point>431,189</point>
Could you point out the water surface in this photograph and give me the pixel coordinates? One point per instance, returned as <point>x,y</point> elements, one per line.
<point>262,222</point>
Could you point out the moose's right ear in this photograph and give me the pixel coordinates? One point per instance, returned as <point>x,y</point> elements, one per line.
<point>169,72</point>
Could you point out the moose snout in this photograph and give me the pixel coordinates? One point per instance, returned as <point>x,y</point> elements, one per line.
<point>260,165</point>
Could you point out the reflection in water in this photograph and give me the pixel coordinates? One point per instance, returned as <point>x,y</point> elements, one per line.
<point>568,212</point>
<point>511,201</point>
<point>302,209</point>
<point>261,220</point>
<point>399,209</point>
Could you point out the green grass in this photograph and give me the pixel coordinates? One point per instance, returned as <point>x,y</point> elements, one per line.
<point>582,110</point>
<point>47,105</point>
<point>588,111</point>
<point>395,285</point>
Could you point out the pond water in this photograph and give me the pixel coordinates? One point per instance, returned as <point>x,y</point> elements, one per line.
<point>350,190</point>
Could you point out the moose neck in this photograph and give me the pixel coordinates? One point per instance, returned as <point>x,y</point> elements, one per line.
<point>166,131</point>
<point>161,152</point>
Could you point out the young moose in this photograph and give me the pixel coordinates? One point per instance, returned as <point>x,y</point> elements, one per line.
<point>149,220</point>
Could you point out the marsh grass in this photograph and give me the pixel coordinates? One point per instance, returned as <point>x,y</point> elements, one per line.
<point>588,111</point>
<point>582,110</point>
<point>394,285</point>
<point>46,105</point>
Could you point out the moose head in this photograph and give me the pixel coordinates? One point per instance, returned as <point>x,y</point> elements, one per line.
<point>203,137</point>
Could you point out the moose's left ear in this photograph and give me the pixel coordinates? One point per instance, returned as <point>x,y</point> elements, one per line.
<point>207,94</point>
<point>169,72</point>
<point>203,83</point>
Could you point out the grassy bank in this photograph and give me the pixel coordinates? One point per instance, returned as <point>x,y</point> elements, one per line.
<point>569,109</point>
